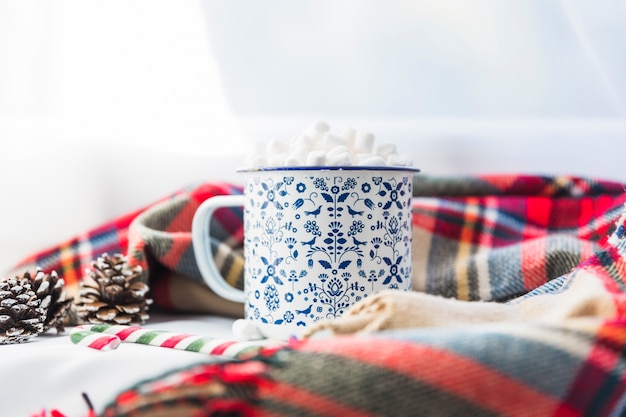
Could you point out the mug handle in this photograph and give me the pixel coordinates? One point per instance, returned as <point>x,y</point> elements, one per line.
<point>202,245</point>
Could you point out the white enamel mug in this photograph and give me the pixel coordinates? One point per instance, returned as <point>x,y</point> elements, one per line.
<point>316,240</point>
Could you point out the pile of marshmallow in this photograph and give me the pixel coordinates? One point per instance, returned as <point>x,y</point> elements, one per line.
<point>318,146</point>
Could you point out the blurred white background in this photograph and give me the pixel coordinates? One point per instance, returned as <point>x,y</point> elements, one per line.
<point>106,106</point>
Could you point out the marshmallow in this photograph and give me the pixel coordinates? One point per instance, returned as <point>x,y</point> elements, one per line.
<point>399,160</point>
<point>360,157</point>
<point>302,150</point>
<point>363,142</point>
<point>293,161</point>
<point>316,158</point>
<point>329,141</point>
<point>257,162</point>
<point>297,157</point>
<point>277,159</point>
<point>318,146</point>
<point>372,161</point>
<point>386,149</point>
<point>302,142</point>
<point>246,330</point>
<point>339,159</point>
<point>318,128</point>
<point>338,149</point>
<point>275,146</point>
<point>349,136</point>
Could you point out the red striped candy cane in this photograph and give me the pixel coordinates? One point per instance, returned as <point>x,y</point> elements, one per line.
<point>171,340</point>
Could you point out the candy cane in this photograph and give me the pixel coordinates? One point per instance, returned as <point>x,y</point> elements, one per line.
<point>166,339</point>
<point>94,340</point>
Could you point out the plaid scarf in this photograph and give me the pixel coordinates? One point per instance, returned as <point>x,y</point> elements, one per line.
<point>490,238</point>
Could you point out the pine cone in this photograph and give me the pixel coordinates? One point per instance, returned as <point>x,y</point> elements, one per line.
<point>50,289</point>
<point>113,293</point>
<point>21,314</point>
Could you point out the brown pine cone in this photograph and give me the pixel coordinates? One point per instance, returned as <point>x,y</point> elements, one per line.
<point>113,293</point>
<point>50,289</point>
<point>21,314</point>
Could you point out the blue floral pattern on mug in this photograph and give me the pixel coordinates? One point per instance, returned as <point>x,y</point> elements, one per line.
<point>318,241</point>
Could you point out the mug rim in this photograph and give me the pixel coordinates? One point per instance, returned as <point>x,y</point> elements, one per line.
<point>329,168</point>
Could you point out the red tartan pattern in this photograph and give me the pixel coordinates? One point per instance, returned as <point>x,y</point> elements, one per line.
<point>487,238</point>
<point>470,222</point>
<point>571,368</point>
<point>71,258</point>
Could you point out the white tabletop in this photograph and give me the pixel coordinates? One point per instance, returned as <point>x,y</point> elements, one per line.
<point>50,372</point>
